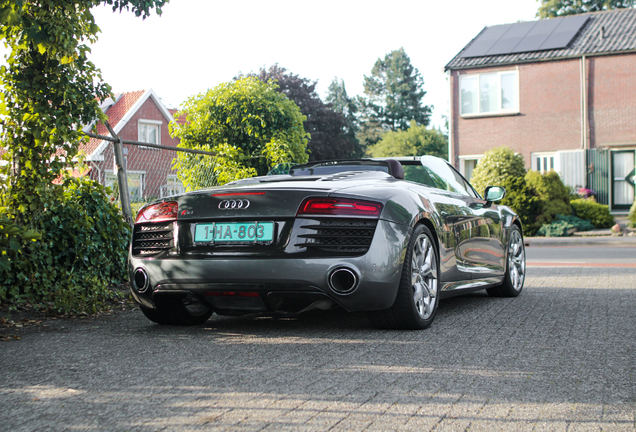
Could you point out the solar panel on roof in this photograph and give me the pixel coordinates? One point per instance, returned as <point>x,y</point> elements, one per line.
<point>537,35</point>
<point>511,38</point>
<point>554,33</point>
<point>565,32</point>
<point>485,40</point>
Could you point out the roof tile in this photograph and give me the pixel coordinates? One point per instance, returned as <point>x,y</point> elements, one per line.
<point>605,32</point>
<point>115,113</point>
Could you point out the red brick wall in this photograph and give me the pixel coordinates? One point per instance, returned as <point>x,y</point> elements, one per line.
<point>550,116</point>
<point>612,99</point>
<point>549,113</point>
<point>154,163</point>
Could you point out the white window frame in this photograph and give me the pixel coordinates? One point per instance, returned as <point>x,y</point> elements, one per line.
<point>547,161</point>
<point>144,123</point>
<point>113,174</point>
<point>500,111</point>
<point>462,163</point>
<point>168,189</point>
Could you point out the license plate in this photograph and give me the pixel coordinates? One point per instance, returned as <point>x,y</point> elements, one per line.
<point>234,232</point>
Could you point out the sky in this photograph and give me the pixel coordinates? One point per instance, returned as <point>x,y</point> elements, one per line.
<point>197,44</point>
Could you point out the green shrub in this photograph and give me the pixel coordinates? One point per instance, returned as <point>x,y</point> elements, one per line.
<point>553,194</point>
<point>524,201</point>
<point>495,167</point>
<point>82,251</point>
<point>596,213</point>
<point>12,237</point>
<point>632,216</point>
<point>562,224</point>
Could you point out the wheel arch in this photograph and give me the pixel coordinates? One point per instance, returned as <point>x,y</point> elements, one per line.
<point>431,226</point>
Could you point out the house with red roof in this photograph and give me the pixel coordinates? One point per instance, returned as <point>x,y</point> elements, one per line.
<point>135,116</point>
<point>560,91</point>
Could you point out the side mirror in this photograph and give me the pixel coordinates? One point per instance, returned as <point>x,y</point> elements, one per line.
<point>494,193</point>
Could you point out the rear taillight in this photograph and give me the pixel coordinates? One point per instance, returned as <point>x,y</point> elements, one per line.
<point>162,212</point>
<point>339,207</point>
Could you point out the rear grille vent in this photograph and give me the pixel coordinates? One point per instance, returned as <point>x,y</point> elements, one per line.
<point>151,239</point>
<point>339,235</point>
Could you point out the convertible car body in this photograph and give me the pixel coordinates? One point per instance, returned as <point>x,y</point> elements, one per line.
<point>391,237</point>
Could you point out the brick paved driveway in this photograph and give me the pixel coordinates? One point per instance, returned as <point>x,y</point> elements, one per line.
<point>559,357</point>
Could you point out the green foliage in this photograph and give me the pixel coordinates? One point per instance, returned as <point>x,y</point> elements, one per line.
<point>49,88</point>
<point>416,141</point>
<point>631,217</point>
<point>555,8</point>
<point>338,99</point>
<point>340,102</point>
<point>554,195</point>
<point>332,135</point>
<point>81,252</point>
<point>247,123</point>
<point>495,167</point>
<point>598,214</point>
<point>394,93</point>
<point>563,226</point>
<point>12,237</point>
<point>524,200</point>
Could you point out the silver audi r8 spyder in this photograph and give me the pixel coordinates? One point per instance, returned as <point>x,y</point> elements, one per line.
<point>390,237</point>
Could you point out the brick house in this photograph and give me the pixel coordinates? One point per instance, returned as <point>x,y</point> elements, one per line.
<point>561,92</point>
<point>136,116</point>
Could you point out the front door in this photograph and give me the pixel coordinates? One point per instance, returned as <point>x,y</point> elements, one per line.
<point>623,164</point>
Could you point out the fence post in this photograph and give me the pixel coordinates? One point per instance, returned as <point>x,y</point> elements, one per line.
<point>122,179</point>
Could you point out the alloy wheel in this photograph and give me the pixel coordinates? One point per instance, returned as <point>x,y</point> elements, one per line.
<point>516,260</point>
<point>424,276</point>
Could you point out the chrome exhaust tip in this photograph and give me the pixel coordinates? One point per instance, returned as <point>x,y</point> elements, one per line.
<point>141,281</point>
<point>343,280</point>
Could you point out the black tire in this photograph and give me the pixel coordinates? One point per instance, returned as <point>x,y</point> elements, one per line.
<point>181,310</point>
<point>515,275</point>
<point>416,302</point>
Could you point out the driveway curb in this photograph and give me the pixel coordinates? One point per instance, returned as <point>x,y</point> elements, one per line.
<point>581,241</point>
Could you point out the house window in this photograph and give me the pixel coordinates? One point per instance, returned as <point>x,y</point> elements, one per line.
<point>467,164</point>
<point>544,162</point>
<point>135,184</point>
<point>173,186</point>
<point>149,131</point>
<point>489,93</point>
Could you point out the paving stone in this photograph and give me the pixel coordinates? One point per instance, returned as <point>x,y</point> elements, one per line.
<point>561,356</point>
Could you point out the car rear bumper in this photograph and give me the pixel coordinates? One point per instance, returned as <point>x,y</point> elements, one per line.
<point>362,283</point>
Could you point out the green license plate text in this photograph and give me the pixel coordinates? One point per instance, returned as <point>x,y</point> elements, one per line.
<point>234,232</point>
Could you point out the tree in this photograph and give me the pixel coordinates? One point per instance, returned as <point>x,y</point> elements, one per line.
<point>416,141</point>
<point>251,126</point>
<point>330,131</point>
<point>341,102</point>
<point>61,241</point>
<point>393,96</point>
<point>49,88</point>
<point>555,8</point>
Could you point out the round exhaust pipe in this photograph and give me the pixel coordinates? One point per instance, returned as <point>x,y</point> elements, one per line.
<point>343,280</point>
<point>141,281</point>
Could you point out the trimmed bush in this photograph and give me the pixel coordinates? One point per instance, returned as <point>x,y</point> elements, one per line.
<point>632,216</point>
<point>497,165</point>
<point>596,213</point>
<point>562,224</point>
<point>554,195</point>
<point>524,201</point>
<point>82,251</point>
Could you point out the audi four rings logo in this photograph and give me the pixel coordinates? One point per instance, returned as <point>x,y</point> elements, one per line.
<point>237,204</point>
